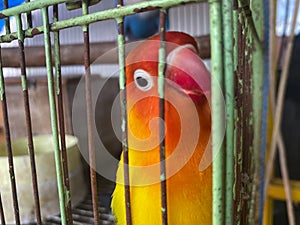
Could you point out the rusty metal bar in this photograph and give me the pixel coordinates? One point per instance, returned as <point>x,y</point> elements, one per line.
<point>7,24</point>
<point>72,54</point>
<point>29,16</point>
<point>247,169</point>
<point>240,130</point>
<point>61,121</point>
<point>245,166</point>
<point>239,119</point>
<point>123,102</point>
<point>90,117</point>
<point>28,120</point>
<point>8,146</point>
<point>2,217</point>
<point>161,91</point>
<point>236,160</point>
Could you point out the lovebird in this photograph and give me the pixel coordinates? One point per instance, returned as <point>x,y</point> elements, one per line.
<point>141,25</point>
<point>11,3</point>
<point>187,123</point>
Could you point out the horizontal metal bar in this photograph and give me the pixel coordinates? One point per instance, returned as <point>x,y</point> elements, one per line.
<point>97,16</point>
<point>38,4</point>
<point>72,54</point>
<point>27,7</point>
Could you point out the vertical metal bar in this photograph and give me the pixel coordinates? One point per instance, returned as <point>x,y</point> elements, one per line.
<point>2,217</point>
<point>258,92</point>
<point>8,146</point>
<point>60,185</point>
<point>239,121</point>
<point>29,16</point>
<point>248,173</point>
<point>28,119</point>
<point>217,111</point>
<point>61,120</point>
<point>123,103</point>
<point>266,201</point>
<point>237,131</point>
<point>244,108</point>
<point>265,105</point>
<point>227,6</point>
<point>161,91</point>
<point>246,186</point>
<point>90,116</point>
<point>7,24</point>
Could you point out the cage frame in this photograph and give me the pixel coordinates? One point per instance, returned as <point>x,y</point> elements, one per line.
<point>227,67</point>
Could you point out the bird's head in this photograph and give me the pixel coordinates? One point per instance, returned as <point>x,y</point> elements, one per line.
<point>185,71</point>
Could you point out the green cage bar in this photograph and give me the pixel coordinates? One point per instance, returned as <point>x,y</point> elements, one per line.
<point>258,8</point>
<point>59,94</point>
<point>60,184</point>
<point>217,112</point>
<point>227,7</point>
<point>85,19</point>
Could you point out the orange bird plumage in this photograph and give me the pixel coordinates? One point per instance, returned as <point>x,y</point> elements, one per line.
<point>187,134</point>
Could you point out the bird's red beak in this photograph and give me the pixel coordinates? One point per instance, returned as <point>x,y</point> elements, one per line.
<point>186,69</point>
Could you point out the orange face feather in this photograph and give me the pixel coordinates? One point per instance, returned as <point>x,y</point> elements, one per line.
<point>187,124</point>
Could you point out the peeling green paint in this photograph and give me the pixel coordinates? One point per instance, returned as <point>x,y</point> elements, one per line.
<point>227,14</point>
<point>121,52</point>
<point>61,191</point>
<point>162,177</point>
<point>68,196</point>
<point>217,112</point>
<point>161,70</point>
<point>24,82</point>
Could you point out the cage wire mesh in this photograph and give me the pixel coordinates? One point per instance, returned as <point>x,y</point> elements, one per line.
<point>236,64</point>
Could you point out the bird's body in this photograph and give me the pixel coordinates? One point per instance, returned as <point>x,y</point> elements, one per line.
<point>189,191</point>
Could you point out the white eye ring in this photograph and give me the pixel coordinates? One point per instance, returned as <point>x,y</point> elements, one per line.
<point>143,80</point>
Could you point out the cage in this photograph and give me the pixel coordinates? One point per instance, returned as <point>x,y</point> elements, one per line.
<point>51,55</point>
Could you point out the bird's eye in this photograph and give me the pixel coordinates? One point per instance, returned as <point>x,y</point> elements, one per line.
<point>143,80</point>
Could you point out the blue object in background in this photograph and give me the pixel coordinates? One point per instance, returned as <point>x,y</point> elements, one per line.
<point>141,25</point>
<point>11,3</point>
